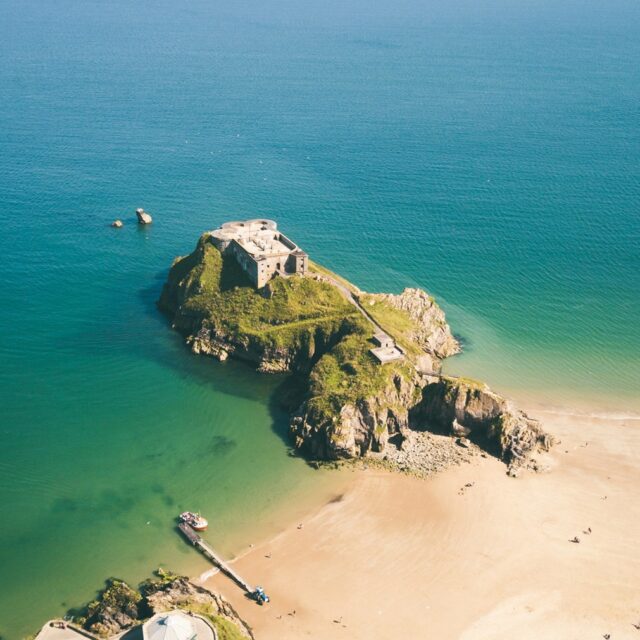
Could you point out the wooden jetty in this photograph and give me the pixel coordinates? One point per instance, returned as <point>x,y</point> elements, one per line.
<point>207,551</point>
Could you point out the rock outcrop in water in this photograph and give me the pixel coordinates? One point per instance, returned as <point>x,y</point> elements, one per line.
<point>347,405</point>
<point>143,217</point>
<point>117,608</point>
<point>178,592</point>
<point>120,607</point>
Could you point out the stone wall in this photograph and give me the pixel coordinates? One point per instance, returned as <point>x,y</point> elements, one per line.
<point>259,268</point>
<point>263,269</point>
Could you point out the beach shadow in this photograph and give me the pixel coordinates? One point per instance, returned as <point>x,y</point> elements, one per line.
<point>282,403</point>
<point>150,295</point>
<point>168,349</point>
<point>417,422</point>
<point>133,634</point>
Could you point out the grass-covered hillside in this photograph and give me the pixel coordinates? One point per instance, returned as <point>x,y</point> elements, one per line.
<point>348,374</point>
<point>343,402</point>
<point>308,325</point>
<point>291,314</point>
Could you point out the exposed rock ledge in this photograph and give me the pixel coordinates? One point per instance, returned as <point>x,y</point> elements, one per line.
<point>430,329</point>
<point>120,607</point>
<point>450,406</point>
<point>345,405</point>
<point>469,409</point>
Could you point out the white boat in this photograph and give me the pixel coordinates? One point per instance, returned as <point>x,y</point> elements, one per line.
<point>194,520</point>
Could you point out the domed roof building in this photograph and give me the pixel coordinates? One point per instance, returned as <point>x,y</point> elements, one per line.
<point>177,625</point>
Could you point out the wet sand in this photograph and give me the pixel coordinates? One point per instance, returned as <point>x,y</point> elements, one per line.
<point>400,557</point>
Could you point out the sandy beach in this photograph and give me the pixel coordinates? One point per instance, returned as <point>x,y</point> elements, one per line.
<point>470,554</point>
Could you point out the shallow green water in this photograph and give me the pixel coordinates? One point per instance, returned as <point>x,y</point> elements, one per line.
<point>485,152</point>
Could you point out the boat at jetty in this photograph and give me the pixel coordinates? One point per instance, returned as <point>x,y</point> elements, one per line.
<point>194,520</point>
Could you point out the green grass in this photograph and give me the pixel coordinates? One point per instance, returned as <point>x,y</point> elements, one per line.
<point>469,382</point>
<point>301,314</point>
<point>288,314</point>
<point>396,322</point>
<point>225,628</point>
<point>347,374</point>
<point>314,267</point>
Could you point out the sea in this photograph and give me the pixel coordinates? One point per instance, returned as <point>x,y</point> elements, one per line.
<point>486,151</point>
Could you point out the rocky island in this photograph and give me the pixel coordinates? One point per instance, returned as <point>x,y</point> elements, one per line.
<point>364,369</point>
<point>165,606</point>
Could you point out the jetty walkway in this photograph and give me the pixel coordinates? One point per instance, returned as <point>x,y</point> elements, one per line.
<point>207,550</point>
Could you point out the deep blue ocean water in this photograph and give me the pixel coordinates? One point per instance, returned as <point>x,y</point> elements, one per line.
<point>488,152</point>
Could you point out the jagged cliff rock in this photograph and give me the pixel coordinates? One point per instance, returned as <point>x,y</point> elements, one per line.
<point>177,592</point>
<point>357,427</point>
<point>447,405</point>
<point>346,404</point>
<point>117,608</point>
<point>468,408</point>
<point>429,328</point>
<point>295,356</point>
<point>120,607</point>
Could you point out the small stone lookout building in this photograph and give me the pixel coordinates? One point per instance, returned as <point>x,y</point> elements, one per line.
<point>177,625</point>
<point>260,249</point>
<point>386,349</point>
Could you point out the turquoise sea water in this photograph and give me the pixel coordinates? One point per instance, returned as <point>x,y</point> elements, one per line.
<point>488,153</point>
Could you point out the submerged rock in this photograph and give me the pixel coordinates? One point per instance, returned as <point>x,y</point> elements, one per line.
<point>117,224</point>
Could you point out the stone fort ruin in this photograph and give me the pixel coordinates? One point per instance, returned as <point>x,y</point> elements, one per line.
<point>262,252</point>
<point>260,249</point>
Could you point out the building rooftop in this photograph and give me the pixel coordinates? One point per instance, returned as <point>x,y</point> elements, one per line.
<point>387,354</point>
<point>258,237</point>
<point>263,243</point>
<point>260,249</point>
<point>382,338</point>
<point>177,625</point>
